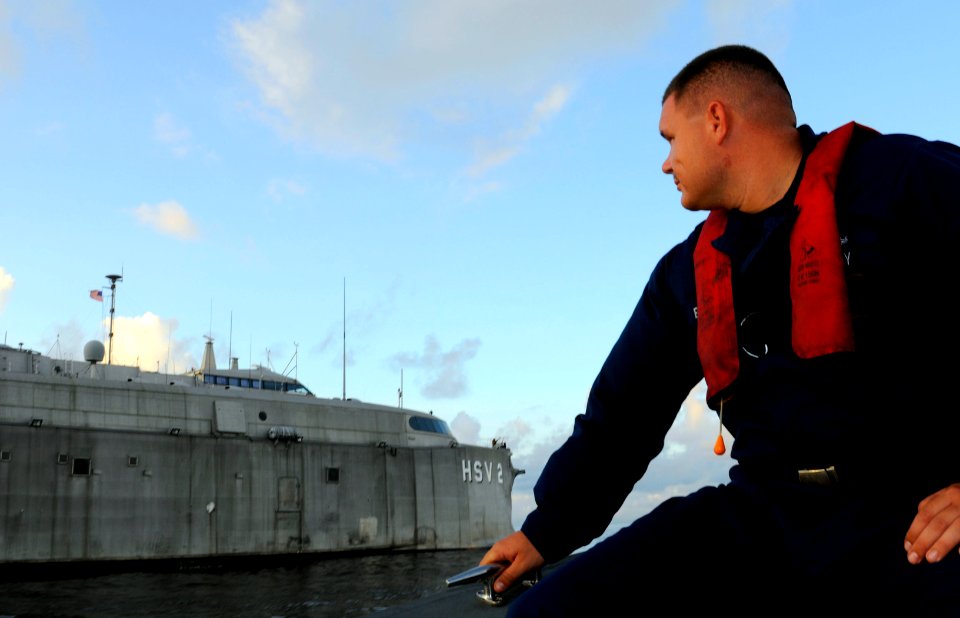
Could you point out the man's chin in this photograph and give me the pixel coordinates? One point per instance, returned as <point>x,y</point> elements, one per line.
<point>691,205</point>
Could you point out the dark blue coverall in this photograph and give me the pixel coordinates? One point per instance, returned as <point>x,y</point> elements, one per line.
<point>884,417</point>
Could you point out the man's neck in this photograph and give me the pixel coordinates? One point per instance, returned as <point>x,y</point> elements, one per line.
<point>774,166</point>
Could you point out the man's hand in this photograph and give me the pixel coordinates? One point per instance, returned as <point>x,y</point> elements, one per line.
<point>935,530</point>
<point>519,552</point>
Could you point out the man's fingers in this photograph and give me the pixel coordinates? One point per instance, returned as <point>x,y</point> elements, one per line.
<point>945,543</point>
<point>493,555</point>
<point>935,530</point>
<point>517,550</point>
<point>939,535</point>
<point>509,575</point>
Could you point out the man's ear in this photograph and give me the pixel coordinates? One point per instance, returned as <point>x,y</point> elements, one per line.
<point>717,121</point>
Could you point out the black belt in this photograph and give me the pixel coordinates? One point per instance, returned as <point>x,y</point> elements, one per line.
<point>860,475</point>
<point>819,476</point>
<point>764,471</point>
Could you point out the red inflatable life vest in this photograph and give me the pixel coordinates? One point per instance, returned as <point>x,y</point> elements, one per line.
<point>821,321</point>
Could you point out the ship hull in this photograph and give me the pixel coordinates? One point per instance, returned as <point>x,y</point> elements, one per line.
<point>88,495</point>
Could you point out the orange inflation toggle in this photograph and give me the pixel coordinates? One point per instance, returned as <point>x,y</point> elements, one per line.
<point>719,447</point>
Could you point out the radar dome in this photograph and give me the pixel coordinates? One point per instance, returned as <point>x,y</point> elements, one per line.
<point>93,352</point>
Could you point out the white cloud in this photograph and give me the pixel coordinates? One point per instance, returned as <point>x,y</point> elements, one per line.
<point>168,132</point>
<point>361,323</point>
<point>511,143</point>
<point>43,20</point>
<point>353,79</point>
<point>280,188</point>
<point>9,52</point>
<point>466,429</point>
<point>445,371</point>
<point>168,218</point>
<point>66,341</point>
<point>148,341</point>
<point>475,191</point>
<point>6,284</point>
<point>735,20</point>
<point>178,138</point>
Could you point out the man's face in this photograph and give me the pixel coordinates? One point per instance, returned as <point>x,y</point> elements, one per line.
<point>691,160</point>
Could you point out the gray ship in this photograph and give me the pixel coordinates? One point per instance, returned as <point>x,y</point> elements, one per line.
<point>102,462</point>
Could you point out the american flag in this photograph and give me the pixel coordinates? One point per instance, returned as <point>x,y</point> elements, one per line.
<point>97,295</point>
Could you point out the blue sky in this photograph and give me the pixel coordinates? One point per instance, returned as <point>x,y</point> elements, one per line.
<point>475,186</point>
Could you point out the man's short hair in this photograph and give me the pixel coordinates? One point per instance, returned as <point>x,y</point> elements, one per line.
<point>722,66</point>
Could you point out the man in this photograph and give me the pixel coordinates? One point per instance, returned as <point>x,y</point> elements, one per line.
<point>816,302</point>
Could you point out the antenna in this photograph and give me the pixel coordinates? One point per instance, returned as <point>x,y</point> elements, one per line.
<point>400,390</point>
<point>113,297</point>
<point>293,363</point>
<point>344,338</point>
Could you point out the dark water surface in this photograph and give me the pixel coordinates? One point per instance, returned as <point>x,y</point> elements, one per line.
<point>343,586</point>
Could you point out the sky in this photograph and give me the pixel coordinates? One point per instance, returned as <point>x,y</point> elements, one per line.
<point>459,198</point>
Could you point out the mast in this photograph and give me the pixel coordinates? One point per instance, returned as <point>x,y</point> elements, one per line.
<point>113,297</point>
<point>344,338</point>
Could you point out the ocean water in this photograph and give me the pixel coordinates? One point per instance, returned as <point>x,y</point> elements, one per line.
<point>324,587</point>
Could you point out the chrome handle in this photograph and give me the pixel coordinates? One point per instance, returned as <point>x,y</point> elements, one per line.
<point>487,574</point>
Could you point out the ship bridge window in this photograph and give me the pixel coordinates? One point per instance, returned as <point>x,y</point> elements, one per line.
<point>433,425</point>
<point>268,385</point>
<point>286,387</point>
<point>296,387</point>
<point>231,381</point>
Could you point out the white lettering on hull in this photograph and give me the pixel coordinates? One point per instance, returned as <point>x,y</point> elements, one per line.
<point>481,471</point>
